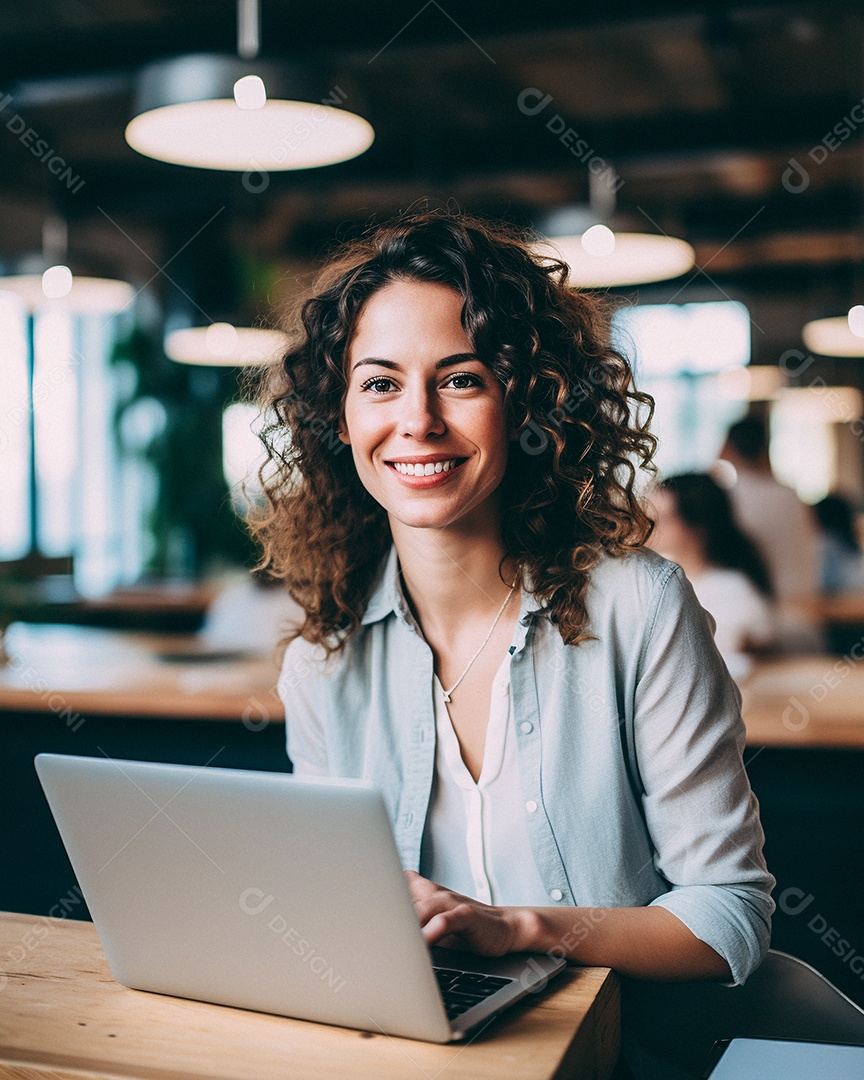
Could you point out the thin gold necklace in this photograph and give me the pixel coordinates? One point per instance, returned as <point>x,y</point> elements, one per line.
<point>448,693</point>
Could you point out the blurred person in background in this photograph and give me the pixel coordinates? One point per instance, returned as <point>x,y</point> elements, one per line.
<point>842,563</point>
<point>782,527</point>
<point>842,568</point>
<point>697,529</point>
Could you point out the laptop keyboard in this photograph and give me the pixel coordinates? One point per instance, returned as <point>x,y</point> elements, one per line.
<point>462,990</point>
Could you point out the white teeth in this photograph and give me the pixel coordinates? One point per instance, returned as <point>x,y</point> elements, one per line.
<point>424,470</point>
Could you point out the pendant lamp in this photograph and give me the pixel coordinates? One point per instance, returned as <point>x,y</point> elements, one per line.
<point>243,114</point>
<point>840,336</point>
<point>54,286</point>
<point>224,345</point>
<point>599,257</point>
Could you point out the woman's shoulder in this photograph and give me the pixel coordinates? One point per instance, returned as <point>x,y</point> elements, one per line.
<point>640,571</point>
<point>625,593</point>
<point>304,659</point>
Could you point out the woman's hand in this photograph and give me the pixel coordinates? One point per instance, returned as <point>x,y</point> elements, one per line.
<point>450,919</point>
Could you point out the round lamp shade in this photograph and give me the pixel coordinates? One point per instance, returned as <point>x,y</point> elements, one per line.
<point>187,115</point>
<point>634,259</point>
<point>224,345</point>
<point>85,295</point>
<point>832,337</point>
<point>756,383</point>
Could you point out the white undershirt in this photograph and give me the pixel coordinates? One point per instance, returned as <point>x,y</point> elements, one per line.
<point>476,838</point>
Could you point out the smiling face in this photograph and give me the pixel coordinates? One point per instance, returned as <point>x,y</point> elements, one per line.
<point>423,415</point>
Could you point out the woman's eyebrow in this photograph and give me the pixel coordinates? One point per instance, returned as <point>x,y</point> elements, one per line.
<point>447,361</point>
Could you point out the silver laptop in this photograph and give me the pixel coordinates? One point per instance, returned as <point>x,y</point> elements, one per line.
<point>270,892</point>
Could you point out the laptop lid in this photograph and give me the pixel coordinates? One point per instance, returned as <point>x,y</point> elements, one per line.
<point>260,890</point>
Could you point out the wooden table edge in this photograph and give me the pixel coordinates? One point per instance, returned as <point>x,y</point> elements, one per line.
<point>593,1041</point>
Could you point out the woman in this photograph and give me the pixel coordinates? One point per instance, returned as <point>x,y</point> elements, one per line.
<point>842,563</point>
<point>696,528</point>
<point>453,451</point>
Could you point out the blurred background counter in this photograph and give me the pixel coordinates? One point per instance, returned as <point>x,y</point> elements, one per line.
<point>87,670</point>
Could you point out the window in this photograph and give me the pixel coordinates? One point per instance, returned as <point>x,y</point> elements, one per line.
<point>58,457</point>
<point>682,354</point>
<point>15,444</point>
<point>242,453</point>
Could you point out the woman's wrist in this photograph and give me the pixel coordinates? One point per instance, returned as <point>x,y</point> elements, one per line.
<point>527,929</point>
<point>554,930</point>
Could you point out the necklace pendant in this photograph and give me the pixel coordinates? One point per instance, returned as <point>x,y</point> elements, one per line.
<point>447,693</point>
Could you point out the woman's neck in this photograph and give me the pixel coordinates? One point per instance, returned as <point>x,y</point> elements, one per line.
<point>451,577</point>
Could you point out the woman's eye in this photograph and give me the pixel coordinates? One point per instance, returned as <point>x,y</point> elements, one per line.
<point>380,384</point>
<point>464,380</point>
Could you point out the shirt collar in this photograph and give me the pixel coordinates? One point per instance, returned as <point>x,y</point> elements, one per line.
<point>387,596</point>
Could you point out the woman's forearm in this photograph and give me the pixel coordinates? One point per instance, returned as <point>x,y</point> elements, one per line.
<point>643,942</point>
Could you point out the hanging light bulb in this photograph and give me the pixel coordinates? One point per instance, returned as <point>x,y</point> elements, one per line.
<point>855,319</point>
<point>220,338</point>
<point>250,92</point>
<point>57,282</point>
<point>598,241</point>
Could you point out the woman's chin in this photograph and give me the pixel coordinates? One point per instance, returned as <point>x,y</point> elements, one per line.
<point>422,519</point>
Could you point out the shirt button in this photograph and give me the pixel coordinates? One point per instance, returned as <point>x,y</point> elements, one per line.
<point>556,894</point>
<point>526,726</point>
<point>530,806</point>
<point>409,818</point>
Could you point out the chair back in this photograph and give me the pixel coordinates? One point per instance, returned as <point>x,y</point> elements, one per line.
<point>669,1028</point>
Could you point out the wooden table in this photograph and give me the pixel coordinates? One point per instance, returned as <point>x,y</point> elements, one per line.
<point>63,1017</point>
<point>88,670</point>
<point>815,701</point>
<point>164,597</point>
<point>791,701</point>
<point>841,608</point>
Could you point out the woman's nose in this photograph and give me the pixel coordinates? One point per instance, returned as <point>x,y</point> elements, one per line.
<point>420,415</point>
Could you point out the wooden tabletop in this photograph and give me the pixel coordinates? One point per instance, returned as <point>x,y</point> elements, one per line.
<point>790,701</point>
<point>167,597</point>
<point>89,670</point>
<point>63,1017</point>
<point>842,608</point>
<point>805,701</point>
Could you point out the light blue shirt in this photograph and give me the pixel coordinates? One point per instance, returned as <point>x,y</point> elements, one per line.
<point>630,745</point>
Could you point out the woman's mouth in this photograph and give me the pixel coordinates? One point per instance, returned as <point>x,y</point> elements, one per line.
<point>426,468</point>
<point>425,474</point>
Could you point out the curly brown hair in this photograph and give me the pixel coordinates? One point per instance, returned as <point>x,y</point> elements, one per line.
<point>581,427</point>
